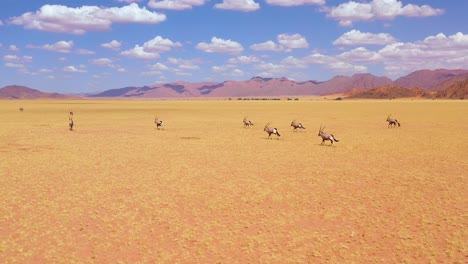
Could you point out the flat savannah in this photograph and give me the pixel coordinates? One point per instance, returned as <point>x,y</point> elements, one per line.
<point>206,188</point>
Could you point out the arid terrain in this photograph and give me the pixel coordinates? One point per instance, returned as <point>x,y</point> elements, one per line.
<point>206,190</point>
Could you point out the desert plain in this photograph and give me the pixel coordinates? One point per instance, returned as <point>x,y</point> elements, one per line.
<point>207,190</point>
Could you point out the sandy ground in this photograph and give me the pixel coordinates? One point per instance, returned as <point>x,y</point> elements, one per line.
<point>207,190</point>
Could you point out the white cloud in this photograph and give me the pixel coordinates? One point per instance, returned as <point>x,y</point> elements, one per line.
<point>244,60</point>
<point>160,44</point>
<point>433,52</point>
<point>360,54</point>
<point>184,64</point>
<point>61,46</point>
<point>352,11</point>
<point>71,68</point>
<point>138,52</point>
<point>102,62</point>
<point>63,19</point>
<point>286,42</point>
<point>14,48</point>
<point>356,37</point>
<point>294,41</point>
<point>15,58</point>
<point>113,45</point>
<point>14,65</point>
<point>238,5</point>
<point>129,1</point>
<point>159,67</point>
<point>219,45</point>
<point>295,2</point>
<point>222,68</point>
<point>175,4</point>
<point>267,46</point>
<point>151,49</point>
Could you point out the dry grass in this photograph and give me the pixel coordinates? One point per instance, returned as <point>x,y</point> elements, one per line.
<point>206,190</point>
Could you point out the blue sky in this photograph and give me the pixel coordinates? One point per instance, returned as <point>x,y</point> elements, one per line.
<point>74,46</point>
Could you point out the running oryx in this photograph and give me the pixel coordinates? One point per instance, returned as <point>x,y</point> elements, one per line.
<point>326,136</point>
<point>21,109</point>
<point>270,131</point>
<point>392,122</point>
<point>159,123</point>
<point>70,123</point>
<point>70,112</point>
<point>297,125</point>
<point>247,123</point>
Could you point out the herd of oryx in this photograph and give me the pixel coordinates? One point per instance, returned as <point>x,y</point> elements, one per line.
<point>247,123</point>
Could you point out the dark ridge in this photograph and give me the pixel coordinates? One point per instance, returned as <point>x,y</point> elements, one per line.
<point>144,88</point>
<point>314,82</point>
<point>261,79</point>
<point>113,92</point>
<point>176,87</point>
<point>206,89</point>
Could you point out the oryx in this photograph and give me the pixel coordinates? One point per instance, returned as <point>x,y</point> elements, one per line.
<point>159,123</point>
<point>247,123</point>
<point>70,122</point>
<point>21,109</point>
<point>270,131</point>
<point>70,112</point>
<point>392,122</point>
<point>297,125</point>
<point>326,136</point>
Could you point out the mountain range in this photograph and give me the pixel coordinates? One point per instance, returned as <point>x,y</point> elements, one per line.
<point>440,83</point>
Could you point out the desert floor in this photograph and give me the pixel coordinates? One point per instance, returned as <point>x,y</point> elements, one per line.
<point>207,190</point>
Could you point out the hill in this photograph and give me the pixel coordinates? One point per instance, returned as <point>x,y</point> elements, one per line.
<point>456,90</point>
<point>390,92</point>
<point>23,92</point>
<point>428,79</point>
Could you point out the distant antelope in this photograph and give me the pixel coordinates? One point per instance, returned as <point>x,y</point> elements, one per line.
<point>70,122</point>
<point>297,125</point>
<point>70,112</point>
<point>326,136</point>
<point>159,123</point>
<point>392,122</point>
<point>247,123</point>
<point>270,131</point>
<point>21,109</point>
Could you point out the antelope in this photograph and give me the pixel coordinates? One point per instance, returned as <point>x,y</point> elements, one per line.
<point>270,131</point>
<point>326,136</point>
<point>392,122</point>
<point>247,123</point>
<point>297,125</point>
<point>70,123</point>
<point>158,122</point>
<point>70,112</point>
<point>21,109</point>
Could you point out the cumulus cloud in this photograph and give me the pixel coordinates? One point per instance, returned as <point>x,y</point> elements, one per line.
<point>238,5</point>
<point>244,60</point>
<point>113,45</point>
<point>15,58</point>
<point>218,45</point>
<point>152,48</point>
<point>102,62</point>
<point>356,37</point>
<point>63,19</point>
<point>267,46</point>
<point>295,2</point>
<point>286,42</point>
<point>361,54</point>
<point>352,11</point>
<point>60,46</point>
<point>71,68</point>
<point>185,64</point>
<point>294,41</point>
<point>85,52</point>
<point>13,48</point>
<point>129,1</point>
<point>176,4</point>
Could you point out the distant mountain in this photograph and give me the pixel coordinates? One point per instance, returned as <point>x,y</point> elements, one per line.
<point>391,92</point>
<point>456,90</point>
<point>23,92</point>
<point>428,79</point>
<point>342,84</point>
<point>256,86</point>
